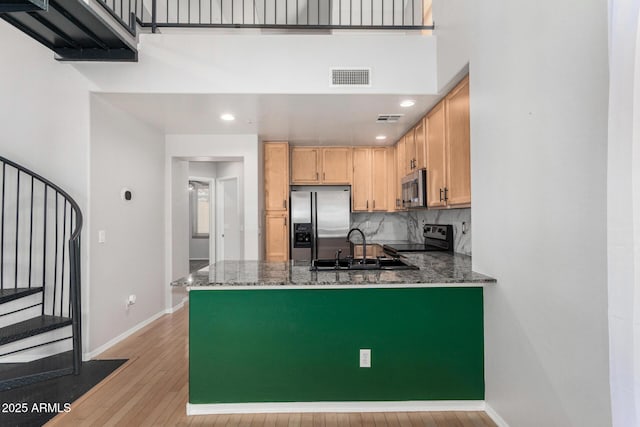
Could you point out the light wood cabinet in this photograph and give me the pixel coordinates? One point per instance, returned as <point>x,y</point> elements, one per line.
<point>361,184</point>
<point>305,165</point>
<point>448,150</point>
<point>419,134</point>
<point>371,176</point>
<point>436,156</point>
<point>409,151</point>
<point>379,179</point>
<point>276,187</point>
<point>414,150</point>
<point>276,176</point>
<point>336,165</point>
<point>400,172</point>
<point>316,165</point>
<point>277,236</point>
<point>458,189</point>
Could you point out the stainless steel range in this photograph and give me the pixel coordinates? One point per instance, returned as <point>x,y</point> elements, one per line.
<point>436,238</point>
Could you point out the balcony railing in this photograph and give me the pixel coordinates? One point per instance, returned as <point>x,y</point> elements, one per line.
<point>283,14</point>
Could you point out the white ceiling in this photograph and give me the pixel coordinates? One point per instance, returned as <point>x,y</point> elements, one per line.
<point>299,119</point>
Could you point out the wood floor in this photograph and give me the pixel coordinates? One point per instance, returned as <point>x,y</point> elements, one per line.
<point>151,390</point>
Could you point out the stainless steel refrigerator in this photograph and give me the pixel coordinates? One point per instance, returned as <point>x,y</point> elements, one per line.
<point>320,221</point>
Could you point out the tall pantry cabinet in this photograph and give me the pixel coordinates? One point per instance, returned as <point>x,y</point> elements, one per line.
<point>276,190</point>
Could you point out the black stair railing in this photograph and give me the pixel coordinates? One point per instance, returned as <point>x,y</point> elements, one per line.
<point>276,14</point>
<point>40,246</point>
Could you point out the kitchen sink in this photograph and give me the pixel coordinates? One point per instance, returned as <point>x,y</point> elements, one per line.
<point>357,264</point>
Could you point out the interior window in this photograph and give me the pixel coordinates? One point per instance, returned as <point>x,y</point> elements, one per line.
<point>200,202</point>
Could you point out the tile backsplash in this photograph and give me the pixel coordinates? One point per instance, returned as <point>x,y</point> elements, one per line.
<point>455,217</point>
<point>382,225</point>
<point>408,225</point>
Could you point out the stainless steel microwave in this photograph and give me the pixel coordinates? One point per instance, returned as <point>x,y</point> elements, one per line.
<point>414,189</point>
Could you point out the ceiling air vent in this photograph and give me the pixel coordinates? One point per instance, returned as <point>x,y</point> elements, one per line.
<point>388,118</point>
<point>353,77</point>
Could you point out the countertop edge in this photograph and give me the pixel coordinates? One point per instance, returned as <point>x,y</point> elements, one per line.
<point>362,286</point>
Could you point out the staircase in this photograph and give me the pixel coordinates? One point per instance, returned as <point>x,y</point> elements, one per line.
<point>76,30</point>
<point>40,316</point>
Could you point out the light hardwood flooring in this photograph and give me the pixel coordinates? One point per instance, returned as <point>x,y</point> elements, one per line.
<point>151,390</point>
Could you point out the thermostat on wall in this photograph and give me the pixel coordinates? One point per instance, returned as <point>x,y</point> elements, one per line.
<point>126,194</point>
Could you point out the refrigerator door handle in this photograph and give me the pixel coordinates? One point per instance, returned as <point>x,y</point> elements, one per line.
<point>314,225</point>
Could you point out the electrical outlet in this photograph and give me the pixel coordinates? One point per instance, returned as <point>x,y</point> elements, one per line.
<point>131,300</point>
<point>365,357</point>
<point>102,236</point>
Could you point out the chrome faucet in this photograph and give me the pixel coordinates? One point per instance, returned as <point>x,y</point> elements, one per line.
<point>338,252</point>
<point>364,243</point>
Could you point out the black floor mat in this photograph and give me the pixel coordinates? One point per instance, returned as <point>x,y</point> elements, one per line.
<point>42,401</point>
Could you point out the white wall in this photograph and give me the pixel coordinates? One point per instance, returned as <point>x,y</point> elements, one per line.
<point>44,123</point>
<point>214,62</point>
<point>623,219</point>
<point>125,153</point>
<point>538,154</point>
<point>176,226</point>
<point>452,34</point>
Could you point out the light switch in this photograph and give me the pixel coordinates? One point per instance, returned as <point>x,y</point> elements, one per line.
<point>102,236</point>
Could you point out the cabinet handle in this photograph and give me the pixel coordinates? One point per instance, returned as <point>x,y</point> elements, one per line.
<point>446,196</point>
<point>374,204</point>
<point>284,204</point>
<point>285,220</point>
<point>367,204</point>
<point>441,191</point>
<point>317,176</point>
<point>323,176</point>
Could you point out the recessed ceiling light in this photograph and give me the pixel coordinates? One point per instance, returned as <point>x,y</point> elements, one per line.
<point>381,137</point>
<point>408,103</point>
<point>227,117</point>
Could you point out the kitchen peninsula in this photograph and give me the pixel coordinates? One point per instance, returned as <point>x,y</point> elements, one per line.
<point>275,336</point>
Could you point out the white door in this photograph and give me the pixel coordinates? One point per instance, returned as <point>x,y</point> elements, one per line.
<point>228,231</point>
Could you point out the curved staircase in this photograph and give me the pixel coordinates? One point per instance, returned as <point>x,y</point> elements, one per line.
<point>40,304</point>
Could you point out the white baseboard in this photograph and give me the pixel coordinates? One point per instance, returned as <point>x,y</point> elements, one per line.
<point>177,306</point>
<point>297,407</point>
<point>90,355</point>
<point>494,416</point>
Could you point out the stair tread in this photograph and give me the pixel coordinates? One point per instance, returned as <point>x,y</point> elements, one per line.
<point>31,327</point>
<point>11,294</point>
<point>51,366</point>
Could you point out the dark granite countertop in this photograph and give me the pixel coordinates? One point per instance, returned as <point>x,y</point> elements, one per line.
<point>436,268</point>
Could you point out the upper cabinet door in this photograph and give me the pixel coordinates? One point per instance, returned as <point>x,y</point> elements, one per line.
<point>361,187</point>
<point>436,156</point>
<point>379,179</point>
<point>305,165</point>
<point>420,143</point>
<point>458,145</point>
<point>401,171</point>
<point>276,176</point>
<point>410,151</point>
<point>336,165</point>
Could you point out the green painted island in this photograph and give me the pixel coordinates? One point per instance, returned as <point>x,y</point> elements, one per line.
<point>273,343</point>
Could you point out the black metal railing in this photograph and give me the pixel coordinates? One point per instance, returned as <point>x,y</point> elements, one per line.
<point>284,14</point>
<point>40,245</point>
<point>126,12</point>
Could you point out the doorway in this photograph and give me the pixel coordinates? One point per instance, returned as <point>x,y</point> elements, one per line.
<point>229,238</point>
